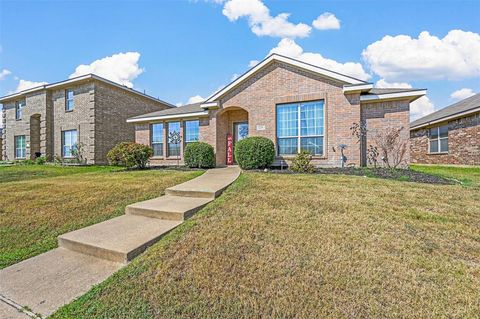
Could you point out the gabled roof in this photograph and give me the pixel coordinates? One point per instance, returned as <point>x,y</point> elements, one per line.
<point>80,79</point>
<point>348,80</point>
<point>189,110</point>
<point>464,107</point>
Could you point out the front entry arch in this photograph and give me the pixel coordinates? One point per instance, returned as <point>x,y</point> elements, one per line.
<point>231,122</point>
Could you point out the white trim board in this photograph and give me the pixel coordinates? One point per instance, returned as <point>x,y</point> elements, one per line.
<point>167,117</point>
<point>388,96</point>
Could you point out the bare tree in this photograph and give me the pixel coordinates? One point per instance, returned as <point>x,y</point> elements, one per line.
<point>392,147</point>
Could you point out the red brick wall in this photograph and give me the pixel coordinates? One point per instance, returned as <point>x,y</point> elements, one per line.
<point>463,143</point>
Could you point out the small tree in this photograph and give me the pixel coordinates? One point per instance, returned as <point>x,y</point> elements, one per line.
<point>175,138</point>
<point>372,155</point>
<point>391,146</point>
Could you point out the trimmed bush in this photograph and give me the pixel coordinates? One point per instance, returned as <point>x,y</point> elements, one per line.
<point>40,160</point>
<point>130,155</point>
<point>301,163</point>
<point>199,154</point>
<point>254,152</point>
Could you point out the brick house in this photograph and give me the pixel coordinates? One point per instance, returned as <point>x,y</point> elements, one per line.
<point>295,104</point>
<point>50,120</point>
<point>448,136</point>
<point>1,143</point>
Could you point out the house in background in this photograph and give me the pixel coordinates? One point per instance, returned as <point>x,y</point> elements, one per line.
<point>50,120</point>
<point>295,104</point>
<point>1,143</point>
<point>448,136</point>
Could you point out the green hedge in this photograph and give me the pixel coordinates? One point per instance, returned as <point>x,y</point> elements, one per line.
<point>199,154</point>
<point>130,154</point>
<point>254,152</point>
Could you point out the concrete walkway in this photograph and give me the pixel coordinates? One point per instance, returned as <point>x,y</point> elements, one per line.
<point>88,256</point>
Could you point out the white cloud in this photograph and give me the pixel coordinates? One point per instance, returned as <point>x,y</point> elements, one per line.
<point>289,48</point>
<point>25,85</point>
<point>252,63</point>
<point>121,68</point>
<point>4,73</point>
<point>462,94</point>
<point>261,22</point>
<point>326,21</point>
<point>427,57</point>
<point>382,83</point>
<point>195,99</point>
<point>179,104</point>
<point>421,107</point>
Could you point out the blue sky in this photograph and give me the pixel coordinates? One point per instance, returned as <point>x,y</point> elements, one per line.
<point>184,49</point>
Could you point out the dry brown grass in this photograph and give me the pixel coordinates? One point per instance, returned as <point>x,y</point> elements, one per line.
<point>42,205</point>
<point>298,246</point>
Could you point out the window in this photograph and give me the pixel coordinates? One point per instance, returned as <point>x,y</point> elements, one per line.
<point>300,127</point>
<point>173,148</point>
<point>20,147</point>
<point>18,109</point>
<point>69,142</point>
<point>439,139</point>
<point>69,105</point>
<point>157,139</point>
<point>191,131</point>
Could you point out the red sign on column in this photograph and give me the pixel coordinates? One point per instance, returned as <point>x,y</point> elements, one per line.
<point>229,149</point>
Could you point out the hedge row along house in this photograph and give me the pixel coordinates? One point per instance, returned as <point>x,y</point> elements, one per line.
<point>54,120</point>
<point>297,105</point>
<point>448,136</point>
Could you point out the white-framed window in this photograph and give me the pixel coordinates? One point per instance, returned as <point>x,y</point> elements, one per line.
<point>192,131</point>
<point>69,104</point>
<point>69,143</point>
<point>438,142</point>
<point>173,149</point>
<point>300,126</point>
<point>19,105</point>
<point>157,139</point>
<point>20,146</point>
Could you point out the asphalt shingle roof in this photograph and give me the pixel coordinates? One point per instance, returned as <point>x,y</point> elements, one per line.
<point>185,109</point>
<point>455,109</point>
<point>378,91</point>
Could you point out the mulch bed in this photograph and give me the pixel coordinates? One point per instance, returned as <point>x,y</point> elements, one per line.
<point>386,173</point>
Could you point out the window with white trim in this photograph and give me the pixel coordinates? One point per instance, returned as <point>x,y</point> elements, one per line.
<point>439,139</point>
<point>69,143</point>
<point>192,129</point>
<point>19,105</point>
<point>69,104</point>
<point>20,146</point>
<point>300,126</point>
<point>173,149</point>
<point>157,139</point>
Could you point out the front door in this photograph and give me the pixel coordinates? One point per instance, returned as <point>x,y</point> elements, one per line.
<point>240,131</point>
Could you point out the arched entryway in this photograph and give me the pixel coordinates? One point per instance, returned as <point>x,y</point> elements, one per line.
<point>232,123</point>
<point>35,136</point>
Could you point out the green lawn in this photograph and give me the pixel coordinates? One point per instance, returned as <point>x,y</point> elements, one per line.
<point>38,203</point>
<point>469,176</point>
<point>308,246</point>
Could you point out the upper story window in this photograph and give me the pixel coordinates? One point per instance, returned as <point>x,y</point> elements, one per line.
<point>439,139</point>
<point>69,143</point>
<point>19,105</point>
<point>300,126</point>
<point>69,104</point>
<point>20,146</point>
<point>192,131</point>
<point>157,139</point>
<point>173,148</point>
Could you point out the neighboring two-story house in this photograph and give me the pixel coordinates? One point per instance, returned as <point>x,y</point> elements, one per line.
<point>297,105</point>
<point>86,112</point>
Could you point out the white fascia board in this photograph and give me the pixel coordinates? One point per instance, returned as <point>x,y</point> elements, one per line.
<point>357,87</point>
<point>447,118</point>
<point>21,93</point>
<point>167,117</point>
<point>290,61</point>
<point>389,96</point>
<point>209,105</point>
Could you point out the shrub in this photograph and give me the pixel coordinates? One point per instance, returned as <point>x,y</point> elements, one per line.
<point>40,160</point>
<point>199,154</point>
<point>302,163</point>
<point>254,152</point>
<point>130,154</point>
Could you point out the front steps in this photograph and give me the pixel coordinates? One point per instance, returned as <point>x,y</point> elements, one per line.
<point>123,238</point>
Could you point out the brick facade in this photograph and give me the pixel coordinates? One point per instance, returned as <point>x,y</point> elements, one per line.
<point>99,116</point>
<point>463,143</point>
<point>255,99</point>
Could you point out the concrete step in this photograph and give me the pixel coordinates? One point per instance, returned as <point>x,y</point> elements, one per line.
<point>209,185</point>
<point>168,207</point>
<point>119,239</point>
